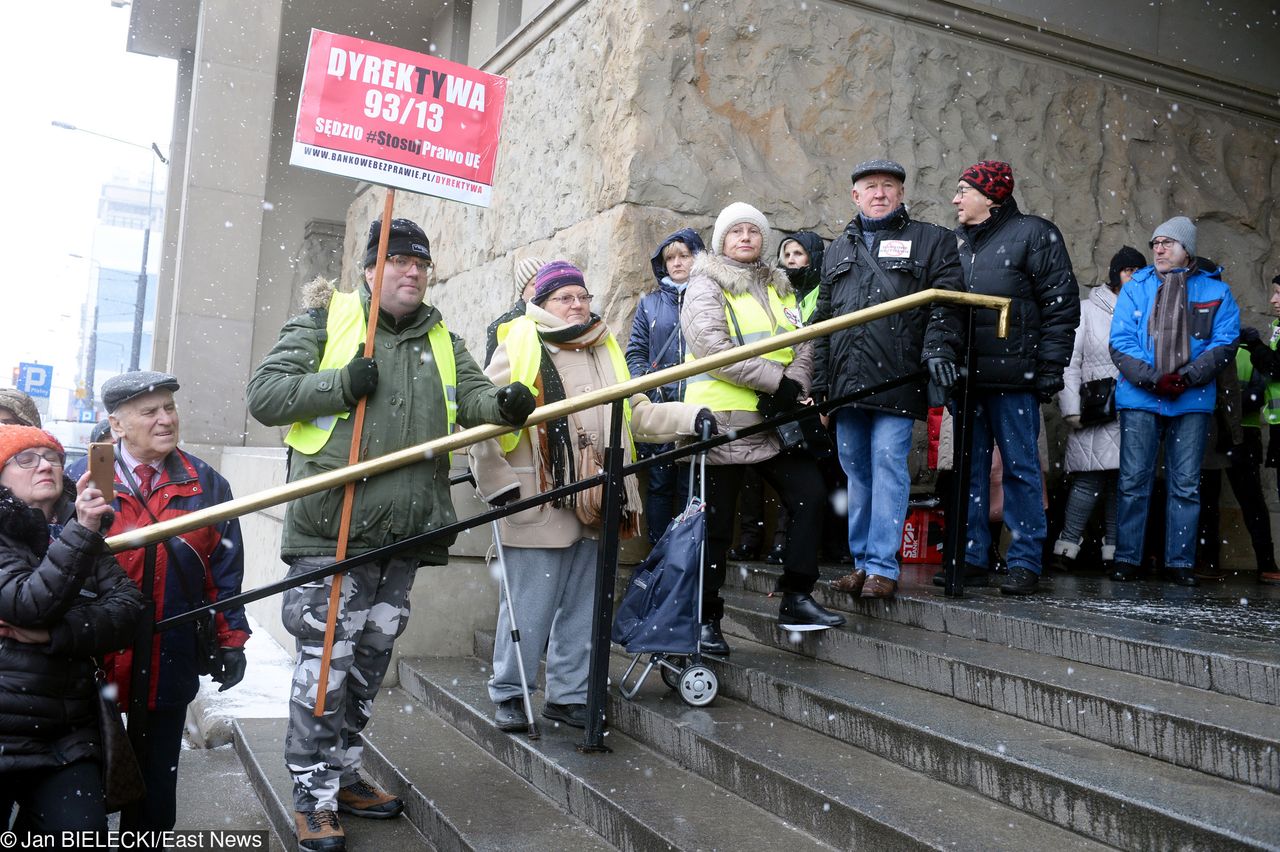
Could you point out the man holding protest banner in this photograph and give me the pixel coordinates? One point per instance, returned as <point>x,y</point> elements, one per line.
<point>418,383</point>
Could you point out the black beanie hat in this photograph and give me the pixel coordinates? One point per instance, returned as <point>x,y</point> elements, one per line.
<point>1127,258</point>
<point>406,238</point>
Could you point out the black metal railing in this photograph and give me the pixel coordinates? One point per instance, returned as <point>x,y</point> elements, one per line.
<point>615,470</point>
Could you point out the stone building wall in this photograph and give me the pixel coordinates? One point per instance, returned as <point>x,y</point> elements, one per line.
<point>631,119</point>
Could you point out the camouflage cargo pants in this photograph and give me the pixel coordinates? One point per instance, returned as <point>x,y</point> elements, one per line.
<point>325,753</point>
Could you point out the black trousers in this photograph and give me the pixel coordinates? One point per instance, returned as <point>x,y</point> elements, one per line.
<point>53,800</point>
<point>1245,477</point>
<point>796,479</point>
<point>159,765</point>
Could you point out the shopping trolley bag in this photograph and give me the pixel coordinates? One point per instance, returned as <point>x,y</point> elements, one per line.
<point>659,611</point>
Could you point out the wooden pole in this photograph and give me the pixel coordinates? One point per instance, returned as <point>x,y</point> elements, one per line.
<point>349,490</point>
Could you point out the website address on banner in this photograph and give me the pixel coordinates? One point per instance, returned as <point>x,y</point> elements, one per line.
<point>340,158</point>
<point>172,839</point>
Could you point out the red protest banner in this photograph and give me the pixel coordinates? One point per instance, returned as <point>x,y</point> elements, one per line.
<point>390,116</point>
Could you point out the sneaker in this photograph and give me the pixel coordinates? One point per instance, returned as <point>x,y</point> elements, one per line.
<point>974,575</point>
<point>510,717</point>
<point>800,612</point>
<point>363,799</point>
<point>573,715</point>
<point>711,640</point>
<point>319,831</point>
<point>1021,581</point>
<point>1269,576</point>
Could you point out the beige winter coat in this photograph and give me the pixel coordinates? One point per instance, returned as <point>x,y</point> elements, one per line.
<point>707,332</point>
<point>581,371</point>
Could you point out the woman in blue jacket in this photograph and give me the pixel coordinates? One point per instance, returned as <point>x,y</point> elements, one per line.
<point>656,344</point>
<point>1175,327</point>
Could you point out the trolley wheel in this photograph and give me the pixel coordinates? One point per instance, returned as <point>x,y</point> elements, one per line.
<point>672,677</point>
<point>698,686</point>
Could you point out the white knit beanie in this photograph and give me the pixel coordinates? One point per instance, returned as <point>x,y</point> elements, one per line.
<point>736,213</point>
<point>525,269</point>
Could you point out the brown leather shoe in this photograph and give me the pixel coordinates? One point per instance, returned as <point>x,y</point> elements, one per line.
<point>363,799</point>
<point>878,586</point>
<point>851,582</point>
<point>319,831</point>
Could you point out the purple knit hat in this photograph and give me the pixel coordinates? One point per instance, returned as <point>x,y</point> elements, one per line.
<point>554,275</point>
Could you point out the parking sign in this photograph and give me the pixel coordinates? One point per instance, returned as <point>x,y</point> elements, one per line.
<point>35,380</point>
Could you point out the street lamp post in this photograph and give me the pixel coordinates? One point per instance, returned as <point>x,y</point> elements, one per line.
<point>140,304</point>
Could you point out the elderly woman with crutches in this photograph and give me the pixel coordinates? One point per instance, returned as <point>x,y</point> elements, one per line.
<point>560,349</point>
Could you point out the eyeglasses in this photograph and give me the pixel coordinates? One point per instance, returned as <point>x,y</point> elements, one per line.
<point>1163,243</point>
<point>964,190</point>
<point>572,299</point>
<point>28,459</point>
<point>403,263</point>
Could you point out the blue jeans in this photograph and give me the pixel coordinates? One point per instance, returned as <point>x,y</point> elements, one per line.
<point>873,448</point>
<point>1011,421</point>
<point>1140,435</point>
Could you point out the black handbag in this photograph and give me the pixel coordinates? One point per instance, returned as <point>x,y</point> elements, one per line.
<point>1097,402</point>
<point>122,782</point>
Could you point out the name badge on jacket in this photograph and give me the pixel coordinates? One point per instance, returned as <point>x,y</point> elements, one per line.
<point>895,248</point>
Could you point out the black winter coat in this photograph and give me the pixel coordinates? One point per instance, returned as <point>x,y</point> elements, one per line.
<point>76,590</point>
<point>872,353</point>
<point>1025,258</point>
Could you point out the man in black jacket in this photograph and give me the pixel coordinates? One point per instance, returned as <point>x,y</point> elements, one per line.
<point>1008,253</point>
<point>883,255</point>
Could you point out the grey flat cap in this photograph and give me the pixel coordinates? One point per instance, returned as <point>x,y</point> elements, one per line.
<point>118,390</point>
<point>22,406</point>
<point>879,167</point>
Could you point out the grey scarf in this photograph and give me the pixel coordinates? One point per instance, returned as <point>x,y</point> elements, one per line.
<point>1168,325</point>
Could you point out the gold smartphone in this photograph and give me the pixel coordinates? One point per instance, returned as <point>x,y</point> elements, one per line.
<point>102,462</point>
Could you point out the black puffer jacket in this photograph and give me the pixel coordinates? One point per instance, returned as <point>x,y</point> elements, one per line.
<point>1025,258</point>
<point>877,351</point>
<point>75,589</point>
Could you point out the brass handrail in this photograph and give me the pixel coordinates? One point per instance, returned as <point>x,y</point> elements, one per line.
<point>458,440</point>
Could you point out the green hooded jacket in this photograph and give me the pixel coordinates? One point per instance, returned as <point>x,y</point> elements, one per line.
<point>406,409</point>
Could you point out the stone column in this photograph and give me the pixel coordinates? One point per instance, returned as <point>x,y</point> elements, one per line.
<point>218,239</point>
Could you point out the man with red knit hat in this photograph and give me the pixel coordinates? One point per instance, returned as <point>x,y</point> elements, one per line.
<point>1005,252</point>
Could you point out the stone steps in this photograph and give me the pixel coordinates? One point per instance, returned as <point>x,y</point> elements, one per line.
<point>260,744</point>
<point>842,794</point>
<point>1224,736</point>
<point>633,797</point>
<point>212,794</point>
<point>1239,668</point>
<point>846,796</point>
<point>1098,791</point>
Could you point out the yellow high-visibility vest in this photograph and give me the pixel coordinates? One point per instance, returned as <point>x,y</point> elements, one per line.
<point>1270,408</point>
<point>524,353</point>
<point>753,323</point>
<point>345,328</point>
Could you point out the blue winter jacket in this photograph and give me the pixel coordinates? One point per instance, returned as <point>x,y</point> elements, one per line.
<point>1215,326</point>
<point>656,342</point>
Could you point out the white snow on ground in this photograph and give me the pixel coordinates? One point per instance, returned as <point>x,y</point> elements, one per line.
<point>263,694</point>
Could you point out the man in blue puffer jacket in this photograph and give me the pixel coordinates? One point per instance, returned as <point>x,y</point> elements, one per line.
<point>1175,327</point>
<point>656,344</point>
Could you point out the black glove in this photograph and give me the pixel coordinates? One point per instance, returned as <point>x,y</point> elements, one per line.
<point>362,376</point>
<point>504,498</point>
<point>1249,336</point>
<point>942,372</point>
<point>1048,384</point>
<point>515,403</point>
<point>233,666</point>
<point>704,425</point>
<point>788,392</point>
